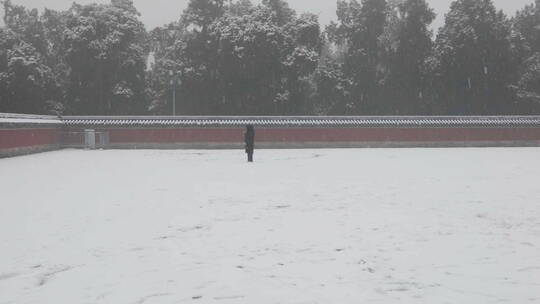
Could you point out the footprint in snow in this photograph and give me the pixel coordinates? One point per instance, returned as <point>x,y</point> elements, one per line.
<point>6,276</point>
<point>44,278</point>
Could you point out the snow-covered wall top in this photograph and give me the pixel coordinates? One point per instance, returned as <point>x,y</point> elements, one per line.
<point>276,121</point>
<point>307,121</point>
<point>8,119</point>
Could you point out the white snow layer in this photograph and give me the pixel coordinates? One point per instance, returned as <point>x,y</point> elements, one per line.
<point>297,226</point>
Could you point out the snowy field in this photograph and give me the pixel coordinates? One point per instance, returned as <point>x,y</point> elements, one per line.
<point>296,227</point>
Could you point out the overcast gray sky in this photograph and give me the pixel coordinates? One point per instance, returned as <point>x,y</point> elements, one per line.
<point>159,12</point>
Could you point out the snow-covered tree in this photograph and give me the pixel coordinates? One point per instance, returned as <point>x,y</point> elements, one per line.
<point>361,26</point>
<point>105,58</point>
<point>476,61</point>
<point>408,46</point>
<point>526,41</point>
<point>26,84</point>
<point>233,63</point>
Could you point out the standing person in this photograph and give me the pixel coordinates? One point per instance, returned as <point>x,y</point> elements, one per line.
<point>249,140</point>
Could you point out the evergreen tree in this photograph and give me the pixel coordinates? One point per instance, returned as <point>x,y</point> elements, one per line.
<point>475,56</point>
<point>408,47</point>
<point>361,26</point>
<point>234,57</point>
<point>26,24</point>
<point>526,41</point>
<point>106,60</point>
<point>332,95</point>
<point>282,12</point>
<point>247,63</point>
<point>26,83</point>
<point>527,22</point>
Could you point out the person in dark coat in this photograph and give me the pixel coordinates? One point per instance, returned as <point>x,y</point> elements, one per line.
<point>249,140</point>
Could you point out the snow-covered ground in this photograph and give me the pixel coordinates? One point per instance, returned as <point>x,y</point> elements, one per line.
<point>298,226</point>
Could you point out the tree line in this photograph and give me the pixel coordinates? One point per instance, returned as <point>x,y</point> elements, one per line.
<point>228,57</point>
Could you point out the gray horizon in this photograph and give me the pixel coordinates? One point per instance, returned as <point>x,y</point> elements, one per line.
<point>159,12</point>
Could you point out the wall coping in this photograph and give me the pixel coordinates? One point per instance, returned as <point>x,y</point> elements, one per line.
<point>8,119</point>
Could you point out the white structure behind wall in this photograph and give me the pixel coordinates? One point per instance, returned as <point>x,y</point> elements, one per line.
<point>90,139</point>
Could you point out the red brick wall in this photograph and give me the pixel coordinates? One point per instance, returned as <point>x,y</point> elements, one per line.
<point>23,138</point>
<point>16,141</point>
<point>174,135</point>
<point>298,135</point>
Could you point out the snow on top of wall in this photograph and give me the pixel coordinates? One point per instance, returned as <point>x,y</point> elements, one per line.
<point>269,121</point>
<point>9,118</point>
<point>419,122</point>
